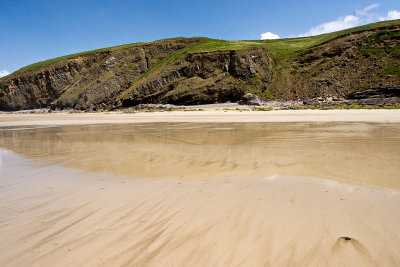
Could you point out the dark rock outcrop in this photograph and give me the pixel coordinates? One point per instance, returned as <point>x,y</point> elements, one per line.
<point>251,100</point>
<point>379,92</point>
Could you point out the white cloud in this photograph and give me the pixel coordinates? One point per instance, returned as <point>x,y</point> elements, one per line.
<point>269,35</point>
<point>368,8</point>
<point>332,26</point>
<point>360,17</point>
<point>3,73</point>
<point>391,15</point>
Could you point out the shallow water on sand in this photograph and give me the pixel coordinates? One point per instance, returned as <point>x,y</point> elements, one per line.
<point>366,153</point>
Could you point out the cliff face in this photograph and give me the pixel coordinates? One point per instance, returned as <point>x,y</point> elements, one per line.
<point>131,76</point>
<point>82,82</point>
<point>202,78</point>
<point>172,71</point>
<point>351,63</point>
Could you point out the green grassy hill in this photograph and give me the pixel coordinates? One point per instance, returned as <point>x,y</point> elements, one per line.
<point>203,70</point>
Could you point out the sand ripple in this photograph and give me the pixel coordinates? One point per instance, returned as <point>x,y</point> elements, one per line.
<point>52,216</point>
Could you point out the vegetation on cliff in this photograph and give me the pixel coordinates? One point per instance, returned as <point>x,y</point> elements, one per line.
<point>203,70</point>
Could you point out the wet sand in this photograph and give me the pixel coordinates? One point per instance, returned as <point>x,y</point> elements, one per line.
<point>52,216</point>
<point>156,194</point>
<point>350,152</point>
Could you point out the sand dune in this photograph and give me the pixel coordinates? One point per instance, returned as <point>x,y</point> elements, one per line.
<point>52,216</point>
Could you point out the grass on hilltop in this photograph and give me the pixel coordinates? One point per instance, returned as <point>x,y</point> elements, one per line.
<point>280,49</point>
<point>106,49</point>
<point>57,59</point>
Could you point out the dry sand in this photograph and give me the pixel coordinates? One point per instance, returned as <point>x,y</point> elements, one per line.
<point>57,216</point>
<point>379,116</point>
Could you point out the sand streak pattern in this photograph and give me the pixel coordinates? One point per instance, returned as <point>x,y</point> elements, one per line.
<point>61,217</point>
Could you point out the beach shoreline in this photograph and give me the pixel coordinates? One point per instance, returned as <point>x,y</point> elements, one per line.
<point>373,116</point>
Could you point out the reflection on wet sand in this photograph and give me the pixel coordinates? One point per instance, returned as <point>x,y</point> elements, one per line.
<point>365,153</point>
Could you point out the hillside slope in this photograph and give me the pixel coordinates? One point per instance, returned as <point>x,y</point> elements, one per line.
<point>201,70</point>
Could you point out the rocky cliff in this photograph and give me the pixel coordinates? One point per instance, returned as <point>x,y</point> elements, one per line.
<point>201,70</point>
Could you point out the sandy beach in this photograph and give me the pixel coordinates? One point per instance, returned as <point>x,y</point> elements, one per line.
<point>290,188</point>
<point>212,115</point>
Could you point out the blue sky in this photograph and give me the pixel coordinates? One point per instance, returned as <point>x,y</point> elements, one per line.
<point>36,30</point>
